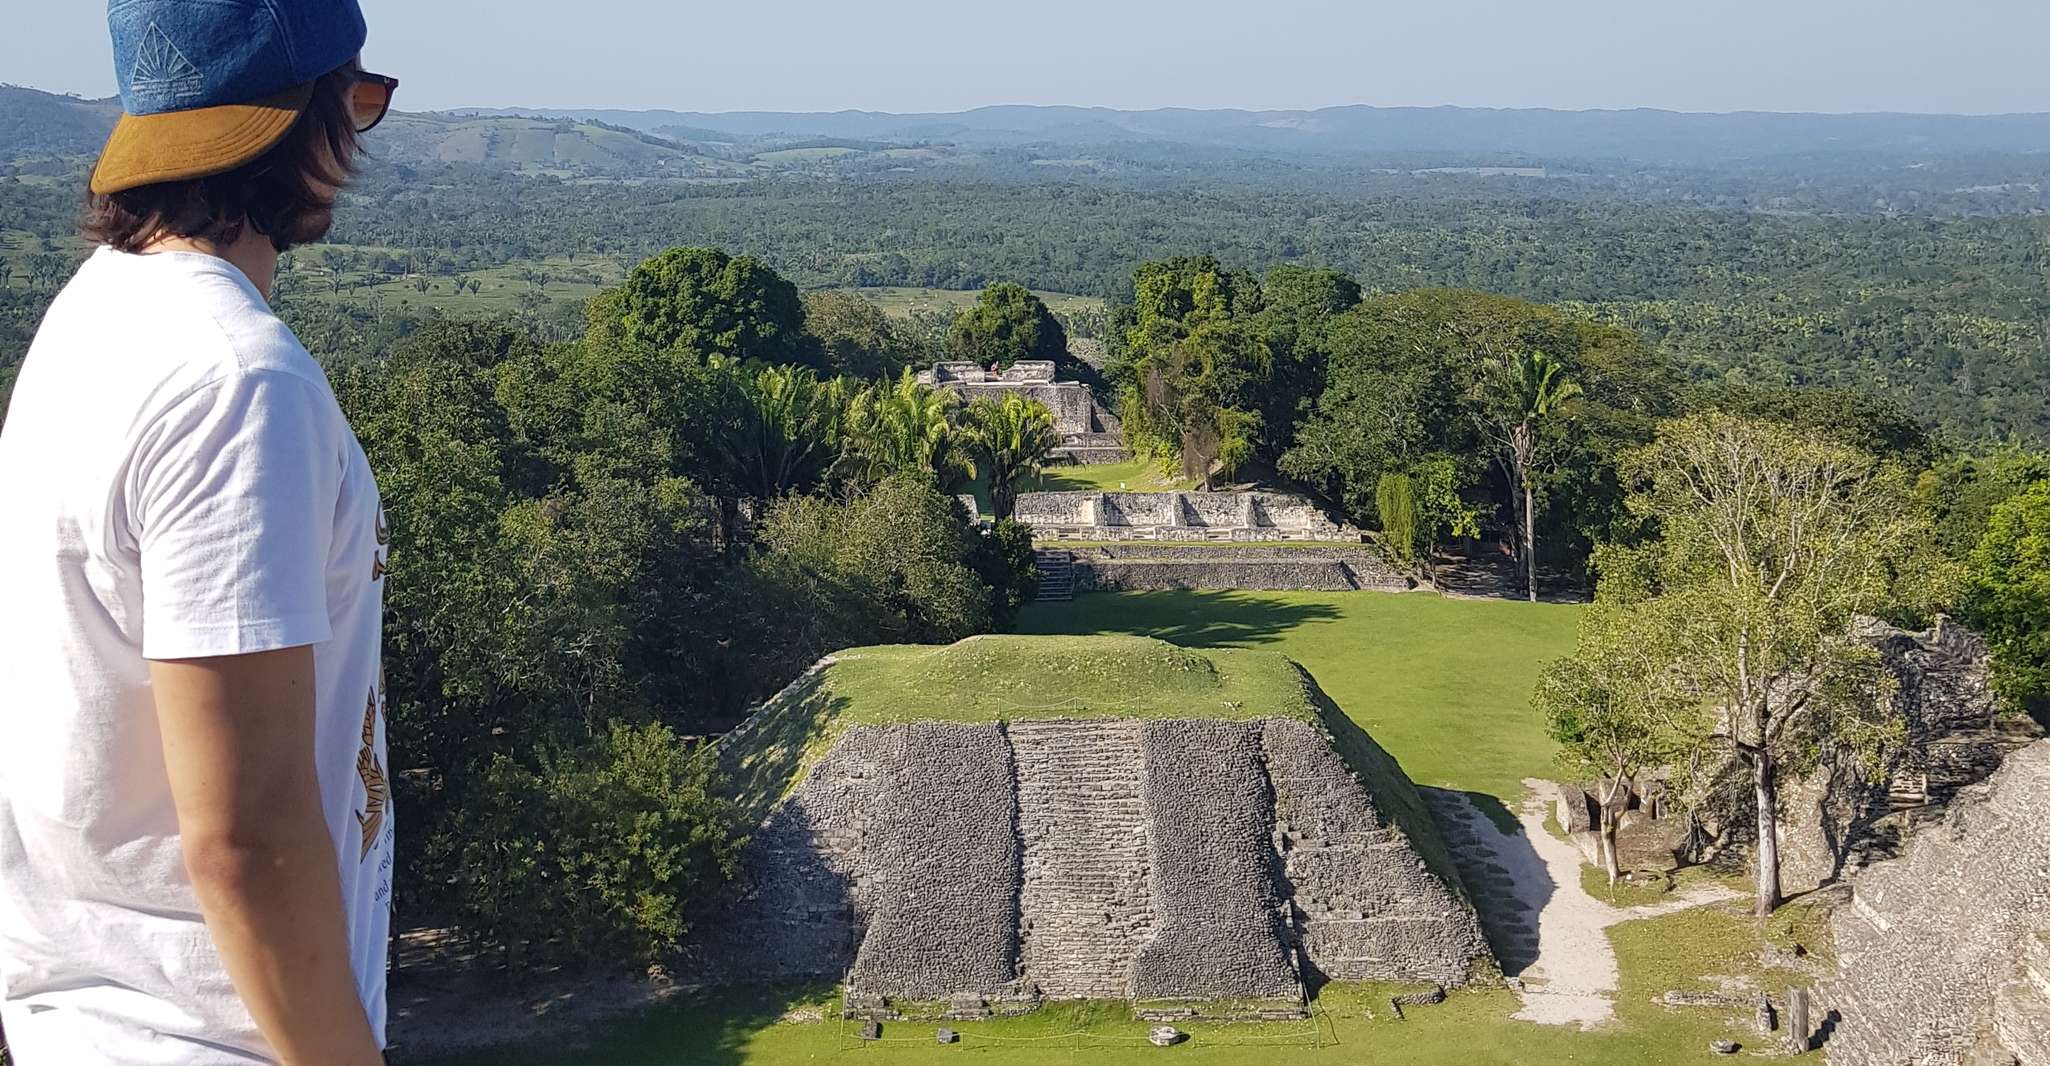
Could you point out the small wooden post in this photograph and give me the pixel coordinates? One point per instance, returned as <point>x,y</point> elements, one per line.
<point>1797,1032</point>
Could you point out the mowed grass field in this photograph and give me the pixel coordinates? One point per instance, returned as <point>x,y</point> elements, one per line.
<point>1352,1025</point>
<point>1443,684</point>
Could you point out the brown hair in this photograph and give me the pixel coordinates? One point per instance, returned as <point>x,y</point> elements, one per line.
<point>285,194</point>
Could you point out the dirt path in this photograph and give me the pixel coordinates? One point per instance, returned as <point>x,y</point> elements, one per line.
<point>1572,980</point>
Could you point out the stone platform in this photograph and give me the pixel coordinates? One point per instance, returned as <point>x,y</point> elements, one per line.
<point>1138,565</point>
<point>1089,434</point>
<point>1212,867</point>
<point>1177,516</point>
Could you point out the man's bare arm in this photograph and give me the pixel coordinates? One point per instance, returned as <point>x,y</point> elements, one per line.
<point>238,737</point>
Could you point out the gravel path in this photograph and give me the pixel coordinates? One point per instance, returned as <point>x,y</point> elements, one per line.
<point>1572,980</point>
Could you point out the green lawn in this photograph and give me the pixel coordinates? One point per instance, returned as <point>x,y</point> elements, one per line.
<point>1442,684</point>
<point>740,1027</point>
<point>1139,475</point>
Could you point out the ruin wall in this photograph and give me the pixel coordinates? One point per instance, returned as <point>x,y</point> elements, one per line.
<point>1088,858</point>
<point>1938,952</point>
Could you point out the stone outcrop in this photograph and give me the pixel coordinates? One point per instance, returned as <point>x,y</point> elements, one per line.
<point>1941,954</point>
<point>1310,568</point>
<point>1089,434</point>
<point>1838,818</point>
<point>1206,863</point>
<point>1177,516</point>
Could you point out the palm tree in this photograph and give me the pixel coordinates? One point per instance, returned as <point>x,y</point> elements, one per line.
<point>1535,391</point>
<point>1013,438</point>
<point>909,428</point>
<point>791,431</point>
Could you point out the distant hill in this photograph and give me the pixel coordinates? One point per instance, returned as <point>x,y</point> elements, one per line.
<point>712,146</point>
<point>539,144</point>
<point>33,122</point>
<point>1643,135</point>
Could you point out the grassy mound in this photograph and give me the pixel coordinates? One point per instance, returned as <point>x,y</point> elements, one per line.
<point>1004,678</point>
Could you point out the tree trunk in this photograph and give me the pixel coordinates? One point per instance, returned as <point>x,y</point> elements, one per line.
<point>1765,790</point>
<point>1608,846</point>
<point>1529,541</point>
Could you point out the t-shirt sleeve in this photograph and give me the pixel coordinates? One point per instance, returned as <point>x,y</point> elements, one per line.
<point>234,502</point>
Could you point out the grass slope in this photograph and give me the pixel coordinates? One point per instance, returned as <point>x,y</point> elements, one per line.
<point>1442,684</point>
<point>1003,678</point>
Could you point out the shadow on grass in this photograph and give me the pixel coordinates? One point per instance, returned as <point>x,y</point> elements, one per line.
<point>1504,876</point>
<point>712,1028</point>
<point>1209,618</point>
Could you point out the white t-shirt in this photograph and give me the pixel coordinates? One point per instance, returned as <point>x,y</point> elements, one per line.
<point>177,482</point>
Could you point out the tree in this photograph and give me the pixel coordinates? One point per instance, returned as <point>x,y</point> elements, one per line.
<point>1524,389</point>
<point>711,303</point>
<point>909,428</point>
<point>1617,708</point>
<point>855,337</point>
<point>1191,368</point>
<point>791,432</point>
<point>1012,437</point>
<point>1389,398</point>
<point>1770,541</point>
<point>1007,323</point>
<point>2007,597</point>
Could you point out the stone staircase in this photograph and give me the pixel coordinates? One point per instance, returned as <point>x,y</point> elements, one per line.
<point>1056,574</point>
<point>1085,905</point>
<point>1090,448</point>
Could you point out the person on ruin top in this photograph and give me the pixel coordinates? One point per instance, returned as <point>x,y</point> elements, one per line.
<point>195,829</point>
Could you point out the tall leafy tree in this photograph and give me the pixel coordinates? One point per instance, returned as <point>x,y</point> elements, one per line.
<point>2008,598</point>
<point>711,303</point>
<point>1617,708</point>
<point>1519,391</point>
<point>1006,324</point>
<point>1012,437</point>
<point>1770,541</point>
<point>856,339</point>
<point>1193,365</point>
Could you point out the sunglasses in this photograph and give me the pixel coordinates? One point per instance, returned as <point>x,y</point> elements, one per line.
<point>370,99</point>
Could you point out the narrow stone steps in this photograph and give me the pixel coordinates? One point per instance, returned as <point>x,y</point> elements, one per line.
<point>1056,574</point>
<point>1084,905</point>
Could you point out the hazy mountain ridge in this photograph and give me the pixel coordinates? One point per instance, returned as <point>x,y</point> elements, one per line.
<point>1644,134</point>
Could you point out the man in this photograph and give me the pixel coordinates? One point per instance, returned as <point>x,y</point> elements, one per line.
<point>195,837</point>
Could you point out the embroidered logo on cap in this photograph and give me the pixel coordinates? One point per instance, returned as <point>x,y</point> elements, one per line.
<point>162,70</point>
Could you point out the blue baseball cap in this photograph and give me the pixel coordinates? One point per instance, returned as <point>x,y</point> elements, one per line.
<point>209,85</point>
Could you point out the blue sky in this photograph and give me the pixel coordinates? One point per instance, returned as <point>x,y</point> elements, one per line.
<point>936,55</point>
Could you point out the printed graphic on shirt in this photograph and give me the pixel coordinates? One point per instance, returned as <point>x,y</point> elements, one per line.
<point>379,553</point>
<point>371,817</point>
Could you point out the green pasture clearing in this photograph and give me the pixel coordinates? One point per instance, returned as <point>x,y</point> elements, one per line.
<point>804,155</point>
<point>1443,684</point>
<point>500,289</point>
<point>902,302</point>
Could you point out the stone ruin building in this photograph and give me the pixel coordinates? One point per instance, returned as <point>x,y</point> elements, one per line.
<point>1836,819</point>
<point>1191,866</point>
<point>1177,516</point>
<point>1943,955</point>
<point>1089,434</point>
